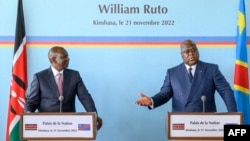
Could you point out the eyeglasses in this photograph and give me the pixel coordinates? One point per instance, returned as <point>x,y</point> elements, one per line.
<point>193,50</point>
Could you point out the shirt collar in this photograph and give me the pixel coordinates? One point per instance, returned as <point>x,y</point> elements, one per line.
<point>193,67</point>
<point>55,72</point>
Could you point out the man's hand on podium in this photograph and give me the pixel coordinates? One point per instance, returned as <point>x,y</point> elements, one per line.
<point>99,123</point>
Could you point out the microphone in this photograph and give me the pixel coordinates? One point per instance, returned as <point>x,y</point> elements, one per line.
<point>61,100</point>
<point>203,98</point>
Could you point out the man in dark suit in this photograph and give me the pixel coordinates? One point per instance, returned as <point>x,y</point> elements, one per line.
<point>191,83</point>
<point>45,95</point>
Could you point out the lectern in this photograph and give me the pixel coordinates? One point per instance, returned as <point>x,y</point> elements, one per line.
<point>58,126</point>
<point>199,126</point>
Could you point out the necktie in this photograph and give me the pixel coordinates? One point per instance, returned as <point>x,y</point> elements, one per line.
<point>190,73</point>
<point>59,82</point>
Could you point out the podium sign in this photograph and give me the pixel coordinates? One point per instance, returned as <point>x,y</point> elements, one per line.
<point>63,126</point>
<point>200,126</point>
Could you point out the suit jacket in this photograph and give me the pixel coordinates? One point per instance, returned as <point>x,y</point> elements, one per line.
<point>44,94</point>
<point>186,95</point>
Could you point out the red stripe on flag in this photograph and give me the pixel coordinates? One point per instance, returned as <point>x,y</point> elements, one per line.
<point>241,73</point>
<point>21,64</point>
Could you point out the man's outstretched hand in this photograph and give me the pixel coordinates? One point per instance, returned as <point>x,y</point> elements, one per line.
<point>144,101</point>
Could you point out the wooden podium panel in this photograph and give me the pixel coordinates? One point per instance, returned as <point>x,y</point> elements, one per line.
<point>58,126</point>
<point>206,126</point>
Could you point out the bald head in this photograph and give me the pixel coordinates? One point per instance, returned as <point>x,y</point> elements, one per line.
<point>54,51</point>
<point>188,43</point>
<point>58,58</point>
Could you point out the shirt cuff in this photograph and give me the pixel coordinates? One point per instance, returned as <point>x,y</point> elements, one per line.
<point>151,106</point>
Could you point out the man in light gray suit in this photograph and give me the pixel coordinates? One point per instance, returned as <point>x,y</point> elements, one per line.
<point>45,96</point>
<point>192,84</point>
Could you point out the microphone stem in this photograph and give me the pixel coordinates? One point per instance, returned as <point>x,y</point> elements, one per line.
<point>61,101</point>
<point>203,98</point>
<point>203,106</point>
<point>60,106</point>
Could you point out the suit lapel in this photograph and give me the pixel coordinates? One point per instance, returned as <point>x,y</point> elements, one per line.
<point>66,78</point>
<point>198,78</point>
<point>184,81</point>
<point>52,82</point>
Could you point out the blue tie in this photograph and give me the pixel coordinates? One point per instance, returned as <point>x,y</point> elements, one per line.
<point>190,73</point>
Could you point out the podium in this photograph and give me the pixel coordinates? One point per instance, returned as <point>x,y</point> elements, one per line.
<point>58,126</point>
<point>206,126</point>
